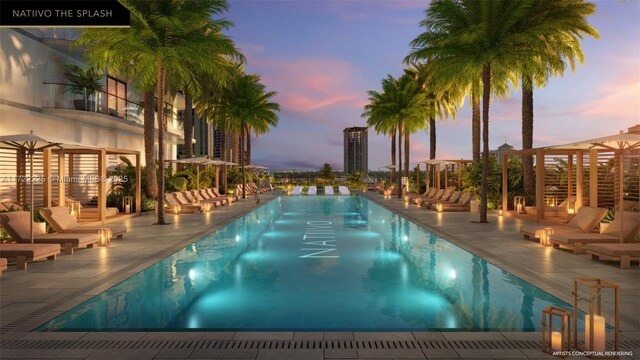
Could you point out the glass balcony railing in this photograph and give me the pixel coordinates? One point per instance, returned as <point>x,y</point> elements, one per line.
<point>59,96</point>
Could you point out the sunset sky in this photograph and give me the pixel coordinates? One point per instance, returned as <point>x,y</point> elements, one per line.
<point>323,56</point>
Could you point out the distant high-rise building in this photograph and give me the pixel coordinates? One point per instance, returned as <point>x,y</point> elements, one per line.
<point>233,153</point>
<point>356,150</point>
<point>203,136</point>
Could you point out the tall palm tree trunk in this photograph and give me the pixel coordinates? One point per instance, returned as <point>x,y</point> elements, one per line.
<point>406,153</point>
<point>149,142</point>
<point>161,121</point>
<point>223,156</point>
<point>234,148</point>
<point>527,135</point>
<point>188,124</point>
<point>244,178</point>
<point>486,94</point>
<point>432,137</point>
<point>399,173</point>
<point>475,121</point>
<point>393,154</point>
<point>248,146</point>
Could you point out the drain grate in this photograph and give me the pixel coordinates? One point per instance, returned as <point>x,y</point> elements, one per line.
<point>275,345</point>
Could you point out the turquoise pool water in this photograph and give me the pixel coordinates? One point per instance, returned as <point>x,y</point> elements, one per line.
<point>316,263</point>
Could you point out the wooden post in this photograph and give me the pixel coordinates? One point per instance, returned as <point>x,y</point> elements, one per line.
<point>540,184</point>
<point>61,178</point>
<point>446,175</point>
<point>593,178</point>
<point>459,174</point>
<point>46,172</point>
<point>138,185</point>
<point>438,185</point>
<point>102,185</point>
<point>21,170</point>
<point>569,176</point>
<point>579,179</point>
<point>71,174</point>
<point>620,181</point>
<point>505,184</point>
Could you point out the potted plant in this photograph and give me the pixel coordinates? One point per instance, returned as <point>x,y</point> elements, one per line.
<point>85,82</point>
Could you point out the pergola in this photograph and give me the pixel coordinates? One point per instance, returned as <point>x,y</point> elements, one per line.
<point>65,170</point>
<point>618,145</point>
<point>436,165</point>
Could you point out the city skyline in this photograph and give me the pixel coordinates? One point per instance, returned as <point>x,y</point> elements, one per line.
<point>322,57</point>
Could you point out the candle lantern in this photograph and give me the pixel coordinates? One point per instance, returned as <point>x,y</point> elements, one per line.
<point>500,212</point>
<point>545,236</point>
<point>600,299</point>
<point>551,200</point>
<point>104,236</point>
<point>556,329</point>
<point>571,207</point>
<point>518,204</point>
<point>207,207</point>
<point>176,209</point>
<point>439,207</point>
<point>127,204</point>
<point>74,208</point>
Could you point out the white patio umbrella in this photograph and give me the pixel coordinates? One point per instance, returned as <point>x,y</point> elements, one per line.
<point>618,143</point>
<point>31,143</point>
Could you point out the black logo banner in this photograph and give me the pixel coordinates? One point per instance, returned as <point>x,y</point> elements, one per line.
<point>63,13</point>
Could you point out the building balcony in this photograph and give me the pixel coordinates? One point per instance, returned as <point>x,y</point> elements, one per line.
<point>101,108</point>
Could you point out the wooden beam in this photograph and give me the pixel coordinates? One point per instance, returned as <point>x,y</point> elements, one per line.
<point>438,185</point>
<point>446,175</point>
<point>505,184</point>
<point>138,185</point>
<point>46,172</point>
<point>102,185</point>
<point>540,184</point>
<point>579,179</point>
<point>61,178</point>
<point>593,178</point>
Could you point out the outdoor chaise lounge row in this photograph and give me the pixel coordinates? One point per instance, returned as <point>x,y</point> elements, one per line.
<point>443,200</point>
<point>194,201</point>
<point>69,234</point>
<point>251,188</point>
<point>615,242</point>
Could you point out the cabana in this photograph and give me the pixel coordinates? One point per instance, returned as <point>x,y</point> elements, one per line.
<point>436,167</point>
<point>60,167</point>
<point>600,172</point>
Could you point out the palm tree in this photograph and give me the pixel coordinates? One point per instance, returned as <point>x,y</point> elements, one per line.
<point>382,125</point>
<point>245,104</point>
<point>557,48</point>
<point>486,38</point>
<point>163,34</point>
<point>443,98</point>
<point>403,105</point>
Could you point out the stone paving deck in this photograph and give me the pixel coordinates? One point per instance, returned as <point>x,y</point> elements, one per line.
<point>47,289</point>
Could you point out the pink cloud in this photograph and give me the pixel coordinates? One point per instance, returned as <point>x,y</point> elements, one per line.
<point>307,85</point>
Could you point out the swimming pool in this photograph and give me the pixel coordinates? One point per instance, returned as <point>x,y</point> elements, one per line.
<point>318,263</point>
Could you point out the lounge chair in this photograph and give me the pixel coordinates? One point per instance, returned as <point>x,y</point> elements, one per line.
<point>21,253</point>
<point>297,190</point>
<point>3,265</point>
<point>622,252</point>
<point>328,190</point>
<point>611,234</point>
<point>344,190</point>
<point>230,198</point>
<point>312,190</point>
<point>391,189</point>
<point>453,198</point>
<point>445,195</point>
<point>462,204</point>
<point>417,198</point>
<point>10,205</point>
<point>62,222</point>
<point>555,211</point>
<point>171,201</point>
<point>200,198</point>
<point>584,222</point>
<point>209,195</point>
<point>17,225</point>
